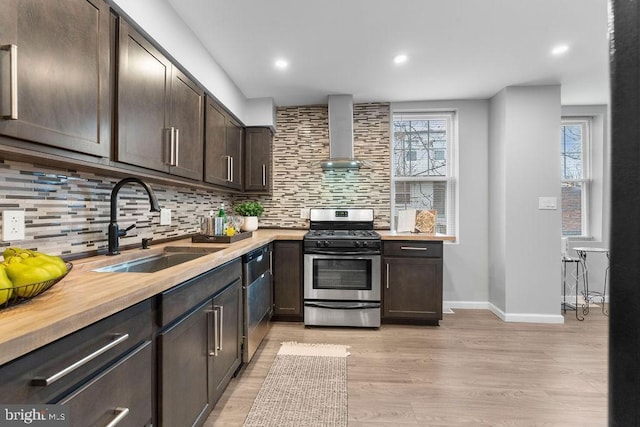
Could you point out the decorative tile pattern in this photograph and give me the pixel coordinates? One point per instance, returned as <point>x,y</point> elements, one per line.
<point>302,142</point>
<point>67,212</point>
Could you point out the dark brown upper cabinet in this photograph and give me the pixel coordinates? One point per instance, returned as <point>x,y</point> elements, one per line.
<point>257,159</point>
<point>160,110</point>
<point>54,73</point>
<point>223,148</point>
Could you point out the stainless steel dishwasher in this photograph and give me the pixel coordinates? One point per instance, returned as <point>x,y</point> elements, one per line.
<point>258,306</point>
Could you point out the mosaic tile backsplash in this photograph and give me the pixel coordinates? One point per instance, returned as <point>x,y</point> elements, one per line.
<point>302,142</point>
<point>67,212</point>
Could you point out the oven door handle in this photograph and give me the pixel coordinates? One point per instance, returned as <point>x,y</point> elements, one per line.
<point>343,306</point>
<point>321,252</point>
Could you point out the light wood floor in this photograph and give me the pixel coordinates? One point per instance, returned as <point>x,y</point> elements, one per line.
<point>473,370</point>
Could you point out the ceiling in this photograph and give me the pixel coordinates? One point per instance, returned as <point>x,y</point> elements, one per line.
<point>457,49</point>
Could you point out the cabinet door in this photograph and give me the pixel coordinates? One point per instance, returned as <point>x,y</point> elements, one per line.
<point>412,288</point>
<point>187,117</point>
<point>143,101</point>
<point>227,314</point>
<point>287,280</point>
<point>234,150</point>
<point>124,392</point>
<point>217,168</point>
<point>60,94</point>
<point>257,157</point>
<point>183,360</point>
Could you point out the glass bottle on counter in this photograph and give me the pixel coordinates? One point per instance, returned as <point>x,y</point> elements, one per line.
<point>221,220</point>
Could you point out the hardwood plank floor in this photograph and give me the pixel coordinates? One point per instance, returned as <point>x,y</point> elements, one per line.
<point>473,370</point>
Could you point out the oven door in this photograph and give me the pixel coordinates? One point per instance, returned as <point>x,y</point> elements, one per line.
<point>342,277</point>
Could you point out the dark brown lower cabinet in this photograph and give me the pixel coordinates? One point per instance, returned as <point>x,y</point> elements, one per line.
<point>227,346</point>
<point>58,369</point>
<point>117,395</point>
<point>183,359</point>
<point>287,280</point>
<point>198,355</point>
<point>412,282</point>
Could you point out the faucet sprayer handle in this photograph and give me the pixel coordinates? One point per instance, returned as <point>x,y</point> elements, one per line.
<point>124,232</point>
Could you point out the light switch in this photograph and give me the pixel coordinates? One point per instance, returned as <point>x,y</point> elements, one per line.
<point>547,203</point>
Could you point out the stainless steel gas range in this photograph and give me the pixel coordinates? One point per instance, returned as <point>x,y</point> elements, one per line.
<point>342,269</point>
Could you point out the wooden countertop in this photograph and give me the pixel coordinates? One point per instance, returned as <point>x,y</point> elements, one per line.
<point>86,296</point>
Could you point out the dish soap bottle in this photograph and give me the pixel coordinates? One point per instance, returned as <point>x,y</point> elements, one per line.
<point>221,220</point>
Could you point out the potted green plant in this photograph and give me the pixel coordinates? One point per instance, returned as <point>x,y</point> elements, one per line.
<point>250,211</point>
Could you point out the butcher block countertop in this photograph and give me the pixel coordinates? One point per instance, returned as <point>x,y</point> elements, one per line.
<point>85,296</point>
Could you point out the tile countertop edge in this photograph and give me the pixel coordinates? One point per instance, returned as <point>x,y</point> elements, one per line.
<point>85,296</point>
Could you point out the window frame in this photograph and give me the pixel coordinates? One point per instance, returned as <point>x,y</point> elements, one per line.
<point>586,180</point>
<point>451,176</point>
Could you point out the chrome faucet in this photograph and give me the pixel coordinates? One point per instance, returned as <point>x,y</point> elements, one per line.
<point>114,232</point>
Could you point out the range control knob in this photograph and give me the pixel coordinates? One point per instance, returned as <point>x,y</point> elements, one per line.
<point>357,244</point>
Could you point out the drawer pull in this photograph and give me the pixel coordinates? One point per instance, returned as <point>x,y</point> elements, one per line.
<point>412,248</point>
<point>121,414</point>
<point>55,377</point>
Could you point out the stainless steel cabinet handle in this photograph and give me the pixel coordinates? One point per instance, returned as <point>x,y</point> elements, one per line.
<point>232,174</point>
<point>387,275</point>
<point>13,82</point>
<point>121,413</point>
<point>229,166</point>
<point>55,377</point>
<point>412,248</point>
<point>176,148</point>
<point>220,327</point>
<point>264,175</point>
<point>170,151</point>
<point>210,320</point>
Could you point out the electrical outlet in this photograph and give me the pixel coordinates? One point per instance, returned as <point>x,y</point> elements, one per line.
<point>304,213</point>
<point>12,225</point>
<point>165,216</point>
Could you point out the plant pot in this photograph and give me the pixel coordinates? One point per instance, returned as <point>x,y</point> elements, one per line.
<point>250,223</point>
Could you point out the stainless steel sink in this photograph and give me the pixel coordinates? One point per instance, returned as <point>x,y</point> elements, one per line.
<point>150,264</point>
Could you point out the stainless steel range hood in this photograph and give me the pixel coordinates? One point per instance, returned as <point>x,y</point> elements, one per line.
<point>341,135</point>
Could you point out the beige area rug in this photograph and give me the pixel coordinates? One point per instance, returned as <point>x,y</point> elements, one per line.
<point>306,387</point>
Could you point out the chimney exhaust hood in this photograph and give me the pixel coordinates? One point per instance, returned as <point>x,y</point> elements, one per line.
<point>341,135</point>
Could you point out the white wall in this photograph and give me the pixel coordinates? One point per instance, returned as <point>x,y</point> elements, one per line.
<point>466,261</point>
<point>528,135</point>
<point>497,201</point>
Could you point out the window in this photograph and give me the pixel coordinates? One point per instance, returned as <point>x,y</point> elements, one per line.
<point>422,169</point>
<point>574,154</point>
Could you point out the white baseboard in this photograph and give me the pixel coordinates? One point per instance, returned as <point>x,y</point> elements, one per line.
<point>507,317</point>
<point>470,305</point>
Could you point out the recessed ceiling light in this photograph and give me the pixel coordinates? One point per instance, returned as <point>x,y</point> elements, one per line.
<point>560,49</point>
<point>281,64</point>
<point>400,59</point>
